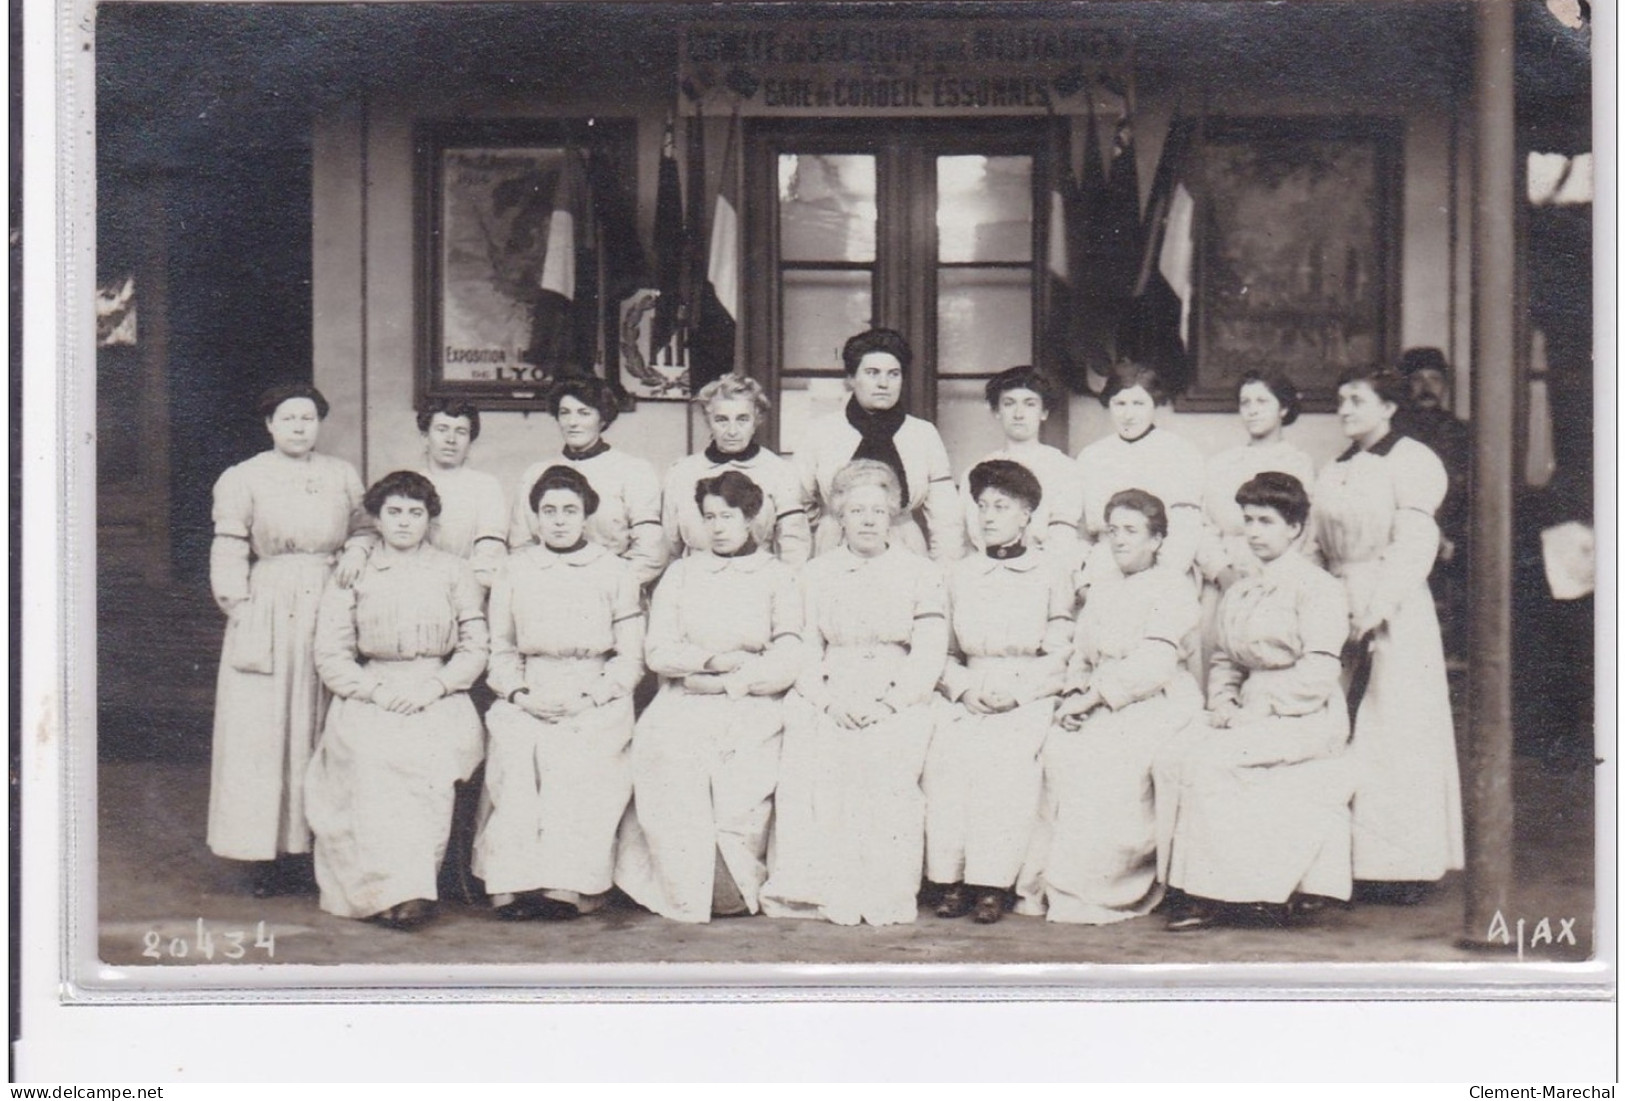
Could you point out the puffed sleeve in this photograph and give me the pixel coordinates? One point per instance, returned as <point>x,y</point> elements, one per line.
<point>1420,482</point>
<point>520,517</point>
<point>467,662</point>
<point>490,532</point>
<point>777,667</point>
<point>625,668</point>
<point>363,529</point>
<point>672,496</point>
<point>506,673</point>
<point>229,553</point>
<point>1153,662</point>
<point>792,532</point>
<point>944,512</point>
<point>805,462</point>
<point>928,647</point>
<point>646,546</point>
<point>337,653</point>
<point>1055,652</point>
<point>666,647</point>
<point>1181,481</point>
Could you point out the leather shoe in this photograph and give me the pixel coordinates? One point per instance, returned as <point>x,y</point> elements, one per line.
<point>989,908</point>
<point>1194,916</point>
<point>955,902</point>
<point>410,915</point>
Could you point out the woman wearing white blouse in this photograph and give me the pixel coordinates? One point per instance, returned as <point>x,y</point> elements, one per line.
<point>473,518</point>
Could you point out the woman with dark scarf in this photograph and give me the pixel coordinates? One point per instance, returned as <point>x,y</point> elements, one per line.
<point>874,426</point>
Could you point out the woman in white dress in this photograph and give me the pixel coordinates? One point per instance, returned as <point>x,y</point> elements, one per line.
<point>399,650</point>
<point>849,816</point>
<point>1253,805</point>
<point>1011,633</point>
<point>1095,857</point>
<point>734,408</point>
<point>1022,399</point>
<point>285,521</point>
<point>566,652</point>
<point>473,518</point>
<point>1374,521</point>
<point>627,521</point>
<point>725,638</point>
<point>1140,455</point>
<point>874,426</point>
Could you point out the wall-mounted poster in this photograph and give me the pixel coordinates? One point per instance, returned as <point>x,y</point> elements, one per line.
<point>516,272</point>
<point>1296,260</point>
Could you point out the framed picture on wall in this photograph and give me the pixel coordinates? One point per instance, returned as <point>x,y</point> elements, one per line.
<point>1296,253</point>
<point>527,243</point>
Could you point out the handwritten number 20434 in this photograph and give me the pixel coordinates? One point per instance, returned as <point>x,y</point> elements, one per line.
<point>206,944</point>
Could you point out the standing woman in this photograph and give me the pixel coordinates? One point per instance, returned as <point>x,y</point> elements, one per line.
<point>1011,621</point>
<point>281,521</point>
<point>566,652</point>
<point>725,638</point>
<point>1022,399</point>
<point>849,831</point>
<point>1267,404</point>
<point>627,521</point>
<point>473,518</point>
<point>1139,455</point>
<point>399,650</point>
<point>734,408</point>
<point>1129,693</point>
<point>1253,805</point>
<point>1373,513</point>
<point>874,426</point>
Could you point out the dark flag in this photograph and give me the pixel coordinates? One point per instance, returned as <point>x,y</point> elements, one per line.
<point>694,239</point>
<point>669,246</point>
<point>562,336</point>
<point>716,330</point>
<point>1095,298</point>
<point>1064,311</point>
<point>1156,330</point>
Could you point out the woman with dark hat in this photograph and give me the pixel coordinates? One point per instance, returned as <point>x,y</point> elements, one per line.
<point>1011,634</point>
<point>285,521</point>
<point>874,426</point>
<point>399,650</point>
<point>566,653</point>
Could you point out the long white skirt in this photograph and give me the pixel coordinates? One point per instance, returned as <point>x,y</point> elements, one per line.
<point>982,779</point>
<point>1257,812</point>
<point>849,832</point>
<point>557,791</point>
<point>1094,856</point>
<point>703,773</point>
<point>379,795</point>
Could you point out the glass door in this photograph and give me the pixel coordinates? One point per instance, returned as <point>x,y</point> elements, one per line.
<point>921,227</point>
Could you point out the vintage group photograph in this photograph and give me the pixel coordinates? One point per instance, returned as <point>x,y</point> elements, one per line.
<point>1079,484</point>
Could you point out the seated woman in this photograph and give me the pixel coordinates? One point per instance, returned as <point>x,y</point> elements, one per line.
<point>566,652</point>
<point>399,651</point>
<point>1253,806</point>
<point>1094,860</point>
<point>725,638</point>
<point>734,409</point>
<point>849,815</point>
<point>1011,622</point>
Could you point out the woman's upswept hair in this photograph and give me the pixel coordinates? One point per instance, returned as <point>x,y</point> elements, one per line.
<point>1146,504</point>
<point>865,472</point>
<point>889,341</point>
<point>269,399</point>
<point>450,407</point>
<point>567,478</point>
<point>1387,383</point>
<point>589,390</point>
<point>401,483</point>
<point>1279,385</point>
<point>733,388</point>
<point>1274,489</point>
<point>1127,374</point>
<point>733,486</point>
<point>1023,378</point>
<point>1008,477</point>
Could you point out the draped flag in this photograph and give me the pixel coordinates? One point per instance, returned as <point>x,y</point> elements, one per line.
<point>694,239</point>
<point>1065,308</point>
<point>1157,327</point>
<point>716,330</point>
<point>562,336</point>
<point>669,246</point>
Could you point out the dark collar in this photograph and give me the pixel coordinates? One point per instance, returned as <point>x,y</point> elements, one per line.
<point>579,544</point>
<point>717,456</point>
<point>1381,447</point>
<point>1005,553</point>
<point>592,452</point>
<point>1141,436</point>
<point>746,549</point>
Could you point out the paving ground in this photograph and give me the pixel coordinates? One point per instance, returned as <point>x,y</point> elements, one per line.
<point>157,880</point>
